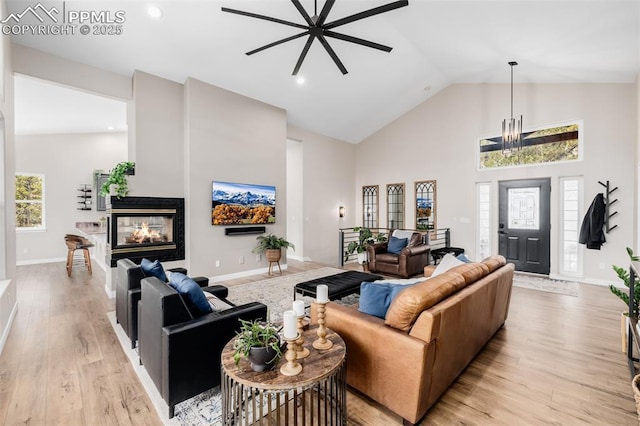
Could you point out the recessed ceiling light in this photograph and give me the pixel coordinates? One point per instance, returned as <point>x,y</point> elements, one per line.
<point>154,11</point>
<point>111,128</point>
<point>300,79</point>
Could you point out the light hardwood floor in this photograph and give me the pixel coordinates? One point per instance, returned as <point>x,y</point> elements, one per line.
<point>556,361</point>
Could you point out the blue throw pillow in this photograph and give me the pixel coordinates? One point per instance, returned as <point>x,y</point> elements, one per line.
<point>463,258</point>
<point>396,244</point>
<point>153,269</point>
<point>375,299</point>
<point>193,294</point>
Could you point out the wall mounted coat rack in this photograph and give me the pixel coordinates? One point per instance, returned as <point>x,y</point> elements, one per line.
<point>608,202</point>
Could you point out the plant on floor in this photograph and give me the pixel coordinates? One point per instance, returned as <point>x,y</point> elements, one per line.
<point>365,237</point>
<point>271,242</point>
<point>118,177</point>
<point>623,274</point>
<point>257,334</point>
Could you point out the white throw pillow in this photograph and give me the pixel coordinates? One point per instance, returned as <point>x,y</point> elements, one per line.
<point>448,261</point>
<point>399,233</point>
<point>216,303</point>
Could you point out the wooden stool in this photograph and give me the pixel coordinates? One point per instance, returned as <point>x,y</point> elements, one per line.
<point>76,242</point>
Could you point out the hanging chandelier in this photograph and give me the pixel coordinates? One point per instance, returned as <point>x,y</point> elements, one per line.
<point>511,128</point>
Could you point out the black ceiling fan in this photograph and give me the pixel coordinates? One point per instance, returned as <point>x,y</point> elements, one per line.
<point>317,27</point>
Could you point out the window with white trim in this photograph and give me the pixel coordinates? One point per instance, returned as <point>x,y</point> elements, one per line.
<point>483,206</point>
<point>571,215</point>
<point>29,202</point>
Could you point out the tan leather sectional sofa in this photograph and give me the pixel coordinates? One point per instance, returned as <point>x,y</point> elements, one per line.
<point>431,332</point>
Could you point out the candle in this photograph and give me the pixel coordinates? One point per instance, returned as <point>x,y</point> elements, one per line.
<point>298,306</point>
<point>290,324</point>
<point>322,293</point>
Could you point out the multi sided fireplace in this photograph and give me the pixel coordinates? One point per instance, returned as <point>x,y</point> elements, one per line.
<point>148,227</point>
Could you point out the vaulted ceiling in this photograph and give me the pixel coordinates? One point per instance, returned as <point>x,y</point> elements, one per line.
<point>435,44</point>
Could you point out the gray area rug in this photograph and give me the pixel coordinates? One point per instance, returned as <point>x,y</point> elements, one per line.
<point>277,294</point>
<point>541,283</point>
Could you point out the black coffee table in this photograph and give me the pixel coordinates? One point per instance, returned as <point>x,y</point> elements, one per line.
<point>340,285</point>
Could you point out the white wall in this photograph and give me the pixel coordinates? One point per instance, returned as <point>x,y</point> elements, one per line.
<point>66,160</point>
<point>46,66</point>
<point>8,294</point>
<point>230,138</point>
<point>329,179</point>
<point>437,140</point>
<point>156,138</point>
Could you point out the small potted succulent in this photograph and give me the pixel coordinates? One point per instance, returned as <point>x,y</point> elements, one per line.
<point>118,178</point>
<point>259,342</point>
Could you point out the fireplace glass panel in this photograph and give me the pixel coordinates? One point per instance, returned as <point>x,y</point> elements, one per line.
<point>136,230</point>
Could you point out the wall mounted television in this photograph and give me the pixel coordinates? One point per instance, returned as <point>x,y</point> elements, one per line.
<point>242,204</point>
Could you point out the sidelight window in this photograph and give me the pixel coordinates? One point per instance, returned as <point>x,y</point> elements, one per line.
<point>571,217</point>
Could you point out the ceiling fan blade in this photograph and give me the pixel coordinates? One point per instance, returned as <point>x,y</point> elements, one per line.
<point>303,54</point>
<point>366,14</point>
<point>357,40</point>
<point>275,43</point>
<point>303,12</point>
<point>333,55</point>
<point>325,12</point>
<point>266,18</point>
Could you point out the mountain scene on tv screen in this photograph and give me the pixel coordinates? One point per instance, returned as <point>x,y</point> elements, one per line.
<point>242,204</point>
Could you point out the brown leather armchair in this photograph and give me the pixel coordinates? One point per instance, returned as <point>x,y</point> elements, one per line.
<point>411,260</point>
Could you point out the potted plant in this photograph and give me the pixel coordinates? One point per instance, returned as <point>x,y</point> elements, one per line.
<point>623,274</point>
<point>118,178</point>
<point>365,237</point>
<point>259,343</point>
<point>271,246</point>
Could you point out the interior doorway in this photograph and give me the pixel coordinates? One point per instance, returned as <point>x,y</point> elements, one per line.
<point>295,223</point>
<point>524,224</point>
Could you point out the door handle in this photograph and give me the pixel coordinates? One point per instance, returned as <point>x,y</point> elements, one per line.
<point>503,232</point>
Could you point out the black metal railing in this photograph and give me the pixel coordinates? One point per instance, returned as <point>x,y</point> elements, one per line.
<point>436,239</point>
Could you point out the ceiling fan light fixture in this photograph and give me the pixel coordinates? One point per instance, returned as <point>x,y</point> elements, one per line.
<point>300,80</point>
<point>154,11</point>
<point>511,128</point>
<point>318,28</point>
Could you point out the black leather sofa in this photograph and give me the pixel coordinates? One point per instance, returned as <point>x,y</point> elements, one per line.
<point>182,354</point>
<point>128,279</point>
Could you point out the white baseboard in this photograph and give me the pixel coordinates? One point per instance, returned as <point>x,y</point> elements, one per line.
<point>7,329</point>
<point>299,258</point>
<point>243,274</point>
<point>110,293</point>
<point>594,281</point>
<point>38,261</point>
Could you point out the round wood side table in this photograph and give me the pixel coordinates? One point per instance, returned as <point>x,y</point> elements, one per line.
<point>316,396</point>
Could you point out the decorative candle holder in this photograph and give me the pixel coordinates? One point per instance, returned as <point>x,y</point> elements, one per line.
<point>302,351</point>
<point>321,342</point>
<point>292,367</point>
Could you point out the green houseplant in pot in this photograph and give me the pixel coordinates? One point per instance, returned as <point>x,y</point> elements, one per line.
<point>623,274</point>
<point>118,178</point>
<point>271,245</point>
<point>259,343</point>
<point>365,237</point>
